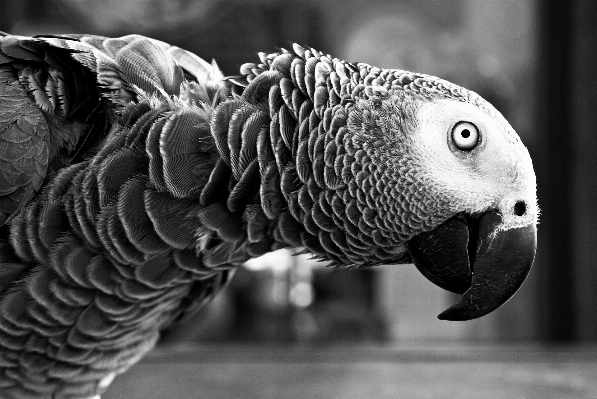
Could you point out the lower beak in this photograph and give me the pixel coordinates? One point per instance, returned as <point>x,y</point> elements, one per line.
<point>475,258</point>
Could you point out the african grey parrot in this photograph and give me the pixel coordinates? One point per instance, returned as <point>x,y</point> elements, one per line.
<point>134,179</point>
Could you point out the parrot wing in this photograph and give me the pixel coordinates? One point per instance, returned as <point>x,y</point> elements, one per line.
<point>74,211</point>
<point>61,95</point>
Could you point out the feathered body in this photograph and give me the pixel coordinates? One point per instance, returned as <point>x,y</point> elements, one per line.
<point>135,179</point>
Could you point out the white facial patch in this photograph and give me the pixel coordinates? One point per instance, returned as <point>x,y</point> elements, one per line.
<point>496,172</point>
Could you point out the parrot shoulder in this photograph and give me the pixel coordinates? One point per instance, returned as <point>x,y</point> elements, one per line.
<point>61,96</point>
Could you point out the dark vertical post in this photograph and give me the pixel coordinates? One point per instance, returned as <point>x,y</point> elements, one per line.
<point>583,111</point>
<point>567,170</point>
<point>554,156</point>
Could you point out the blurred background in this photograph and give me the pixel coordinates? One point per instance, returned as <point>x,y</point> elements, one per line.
<point>535,60</point>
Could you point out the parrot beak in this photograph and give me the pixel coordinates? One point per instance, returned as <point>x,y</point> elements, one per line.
<point>474,258</point>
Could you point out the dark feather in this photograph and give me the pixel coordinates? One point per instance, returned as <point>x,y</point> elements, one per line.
<point>137,224</point>
<point>246,188</point>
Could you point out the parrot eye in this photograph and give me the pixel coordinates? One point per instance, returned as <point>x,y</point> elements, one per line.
<point>465,136</point>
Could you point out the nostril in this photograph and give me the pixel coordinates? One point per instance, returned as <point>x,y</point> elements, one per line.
<point>520,208</point>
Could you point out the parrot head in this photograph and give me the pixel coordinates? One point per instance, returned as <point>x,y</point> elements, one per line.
<point>457,187</point>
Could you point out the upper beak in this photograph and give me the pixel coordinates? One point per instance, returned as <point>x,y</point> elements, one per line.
<point>475,258</point>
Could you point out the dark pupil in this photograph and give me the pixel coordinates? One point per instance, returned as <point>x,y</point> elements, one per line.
<point>466,133</point>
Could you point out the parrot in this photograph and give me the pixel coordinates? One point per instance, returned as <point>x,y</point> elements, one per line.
<point>135,178</point>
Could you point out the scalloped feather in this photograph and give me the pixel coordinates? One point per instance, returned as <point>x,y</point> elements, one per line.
<point>185,146</point>
<point>135,220</point>
<point>171,219</point>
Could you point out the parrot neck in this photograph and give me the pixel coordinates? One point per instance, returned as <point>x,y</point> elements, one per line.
<point>294,175</point>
